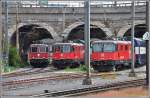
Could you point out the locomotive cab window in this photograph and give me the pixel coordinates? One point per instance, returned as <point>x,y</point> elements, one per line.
<point>34,49</point>
<point>43,49</point>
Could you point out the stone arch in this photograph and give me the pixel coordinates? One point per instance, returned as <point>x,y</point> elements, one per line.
<point>31,35</point>
<point>76,24</point>
<point>125,28</point>
<point>46,26</point>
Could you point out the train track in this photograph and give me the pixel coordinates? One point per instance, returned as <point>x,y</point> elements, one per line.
<point>93,89</point>
<point>15,84</point>
<point>27,72</point>
<point>34,71</point>
<point>23,82</point>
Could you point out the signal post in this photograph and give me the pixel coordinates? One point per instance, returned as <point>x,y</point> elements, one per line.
<point>87,80</point>
<point>1,65</point>
<point>148,45</point>
<point>132,73</point>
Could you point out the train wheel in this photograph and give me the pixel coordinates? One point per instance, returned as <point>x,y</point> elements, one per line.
<point>106,68</point>
<point>75,65</point>
<point>110,68</point>
<point>114,68</point>
<point>34,65</point>
<point>44,64</point>
<point>97,68</point>
<point>59,66</point>
<point>118,67</point>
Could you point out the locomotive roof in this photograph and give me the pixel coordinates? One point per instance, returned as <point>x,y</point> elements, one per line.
<point>39,45</point>
<point>111,41</point>
<point>69,44</point>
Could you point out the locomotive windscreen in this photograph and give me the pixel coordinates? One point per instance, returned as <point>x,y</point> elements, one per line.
<point>34,49</point>
<point>62,48</point>
<point>66,48</point>
<point>43,49</point>
<point>97,47</point>
<point>104,47</point>
<point>109,47</point>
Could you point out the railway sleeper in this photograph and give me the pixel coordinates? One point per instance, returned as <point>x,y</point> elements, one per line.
<point>117,85</point>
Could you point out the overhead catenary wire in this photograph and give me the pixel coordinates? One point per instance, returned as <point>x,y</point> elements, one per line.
<point>1,65</point>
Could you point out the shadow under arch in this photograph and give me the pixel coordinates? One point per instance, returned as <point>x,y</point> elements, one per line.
<point>28,33</point>
<point>76,31</point>
<point>140,29</point>
<point>127,28</point>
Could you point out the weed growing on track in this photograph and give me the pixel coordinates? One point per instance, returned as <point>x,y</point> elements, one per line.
<point>14,58</point>
<point>81,68</point>
<point>9,68</point>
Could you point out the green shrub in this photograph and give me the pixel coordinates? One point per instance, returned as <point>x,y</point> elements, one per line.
<point>9,68</point>
<point>81,68</point>
<point>14,58</point>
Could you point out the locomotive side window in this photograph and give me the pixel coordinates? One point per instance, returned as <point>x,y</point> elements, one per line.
<point>109,47</point>
<point>121,47</point>
<point>72,48</point>
<point>34,49</point>
<point>47,49</point>
<point>126,47</point>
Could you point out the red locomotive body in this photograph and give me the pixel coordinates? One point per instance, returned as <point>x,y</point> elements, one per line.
<point>67,55</point>
<point>38,55</point>
<point>110,55</point>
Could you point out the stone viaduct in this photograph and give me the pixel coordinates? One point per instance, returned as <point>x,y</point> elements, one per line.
<point>61,23</point>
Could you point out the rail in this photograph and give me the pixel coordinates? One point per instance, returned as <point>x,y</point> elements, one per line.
<point>53,4</point>
<point>92,89</point>
<point>14,84</point>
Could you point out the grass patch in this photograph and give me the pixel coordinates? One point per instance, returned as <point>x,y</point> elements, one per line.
<point>81,68</point>
<point>108,76</point>
<point>14,58</point>
<point>14,62</point>
<point>9,69</point>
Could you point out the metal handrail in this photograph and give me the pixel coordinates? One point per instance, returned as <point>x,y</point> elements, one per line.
<point>80,4</point>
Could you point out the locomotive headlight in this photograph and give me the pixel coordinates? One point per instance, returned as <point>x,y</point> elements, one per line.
<point>38,54</point>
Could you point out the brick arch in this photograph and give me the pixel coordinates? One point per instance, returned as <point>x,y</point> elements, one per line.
<point>46,26</point>
<point>76,24</point>
<point>125,28</point>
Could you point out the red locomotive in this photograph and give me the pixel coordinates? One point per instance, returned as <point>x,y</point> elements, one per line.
<point>109,55</point>
<point>112,55</point>
<point>38,55</point>
<point>67,55</point>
